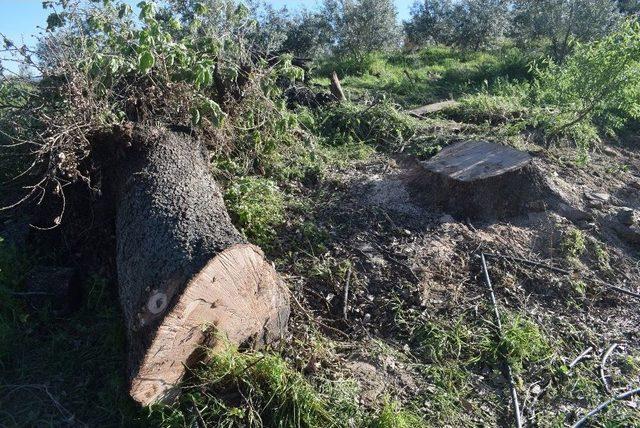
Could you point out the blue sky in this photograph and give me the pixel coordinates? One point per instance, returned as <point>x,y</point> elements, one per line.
<point>19,19</point>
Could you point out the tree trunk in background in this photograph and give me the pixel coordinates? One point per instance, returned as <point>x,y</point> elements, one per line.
<point>336,88</point>
<point>185,274</point>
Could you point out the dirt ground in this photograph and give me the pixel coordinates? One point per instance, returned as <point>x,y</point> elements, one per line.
<point>417,311</point>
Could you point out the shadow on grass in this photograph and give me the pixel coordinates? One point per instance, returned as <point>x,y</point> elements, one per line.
<point>61,370</point>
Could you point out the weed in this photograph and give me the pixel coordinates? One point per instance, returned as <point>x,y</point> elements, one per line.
<point>522,344</point>
<point>252,390</point>
<point>257,206</point>
<point>579,287</point>
<point>601,254</point>
<point>573,244</point>
<point>393,416</point>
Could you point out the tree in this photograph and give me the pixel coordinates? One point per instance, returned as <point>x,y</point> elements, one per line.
<point>360,27</point>
<point>467,24</point>
<point>480,23</point>
<point>560,22</point>
<point>629,7</point>
<point>309,35</point>
<point>430,22</point>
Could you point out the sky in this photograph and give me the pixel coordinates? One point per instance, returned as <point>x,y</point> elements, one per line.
<point>19,19</point>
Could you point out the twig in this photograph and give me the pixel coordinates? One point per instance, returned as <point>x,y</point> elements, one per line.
<point>616,288</point>
<point>345,308</point>
<point>564,272</point>
<point>390,256</point>
<point>529,262</point>
<point>312,319</point>
<point>606,404</point>
<point>514,392</point>
<point>201,422</point>
<point>603,365</point>
<point>581,357</point>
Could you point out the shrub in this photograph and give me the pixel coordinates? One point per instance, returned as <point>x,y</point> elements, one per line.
<point>380,125</point>
<point>372,63</point>
<point>597,84</point>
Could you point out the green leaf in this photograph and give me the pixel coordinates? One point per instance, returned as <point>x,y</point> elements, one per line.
<point>195,116</point>
<point>146,61</point>
<point>213,110</point>
<point>200,8</point>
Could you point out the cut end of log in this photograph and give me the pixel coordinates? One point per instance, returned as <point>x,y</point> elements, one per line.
<point>479,180</point>
<point>237,298</point>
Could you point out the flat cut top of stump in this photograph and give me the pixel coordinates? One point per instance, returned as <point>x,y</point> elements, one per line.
<point>476,160</point>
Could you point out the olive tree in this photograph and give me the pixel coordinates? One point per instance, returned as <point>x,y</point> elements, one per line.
<point>560,22</point>
<point>360,27</point>
<point>629,7</point>
<point>431,22</point>
<point>309,35</point>
<point>468,23</point>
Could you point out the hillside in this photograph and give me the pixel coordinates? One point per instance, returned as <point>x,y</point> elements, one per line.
<point>384,262</point>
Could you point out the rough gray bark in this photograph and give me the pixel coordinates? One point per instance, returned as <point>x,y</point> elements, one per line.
<point>171,226</point>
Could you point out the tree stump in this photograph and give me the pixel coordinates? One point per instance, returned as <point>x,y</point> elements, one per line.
<point>336,88</point>
<point>185,274</point>
<point>478,180</point>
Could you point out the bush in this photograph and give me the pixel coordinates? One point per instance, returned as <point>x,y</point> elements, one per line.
<point>372,64</point>
<point>597,84</point>
<point>380,125</point>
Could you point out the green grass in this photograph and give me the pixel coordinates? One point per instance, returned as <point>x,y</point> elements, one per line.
<point>258,389</point>
<point>257,206</point>
<point>429,75</point>
<point>57,369</point>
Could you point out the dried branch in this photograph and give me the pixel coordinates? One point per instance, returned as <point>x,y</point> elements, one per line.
<point>585,354</point>
<point>603,365</point>
<point>514,392</point>
<point>604,405</point>
<point>345,308</point>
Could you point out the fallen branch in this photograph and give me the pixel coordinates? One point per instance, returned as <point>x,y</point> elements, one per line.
<point>616,288</point>
<point>581,357</point>
<point>604,405</point>
<point>603,366</point>
<point>345,308</point>
<point>529,262</point>
<point>514,392</point>
<point>562,271</point>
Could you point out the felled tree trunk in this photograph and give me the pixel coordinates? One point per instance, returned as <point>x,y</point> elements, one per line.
<point>186,276</point>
